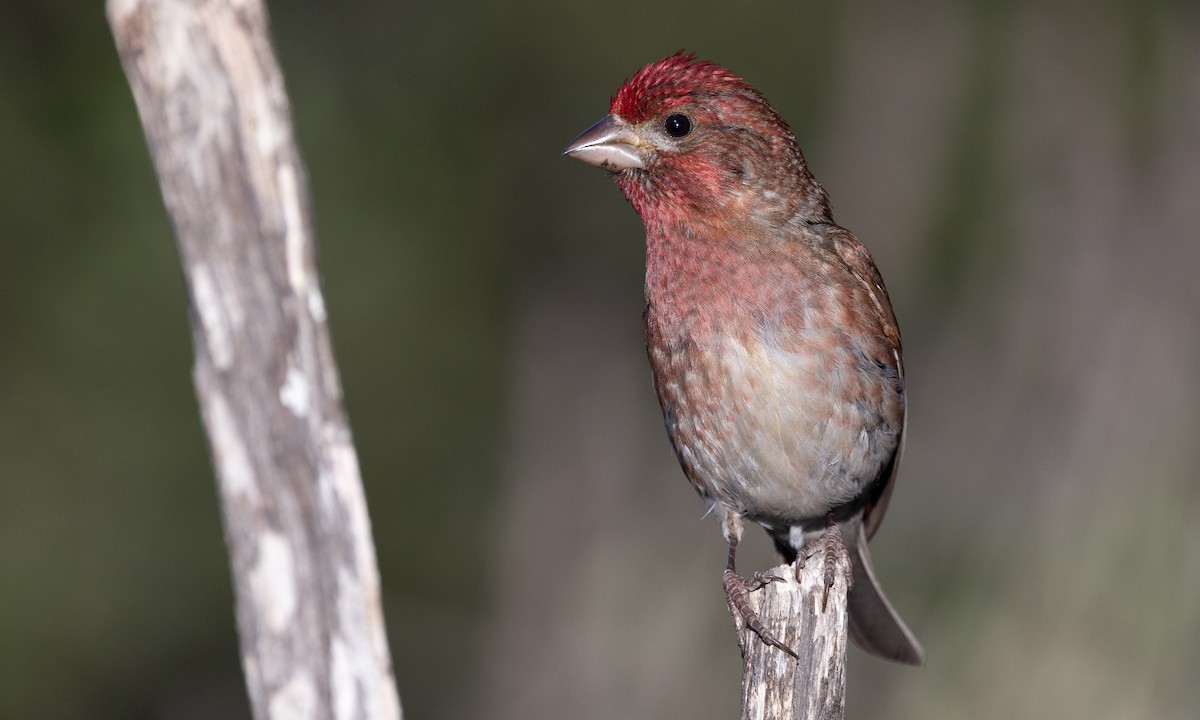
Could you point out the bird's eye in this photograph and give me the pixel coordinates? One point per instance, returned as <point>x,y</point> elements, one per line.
<point>677,125</point>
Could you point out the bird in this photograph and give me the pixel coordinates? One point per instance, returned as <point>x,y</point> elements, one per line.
<point>774,350</point>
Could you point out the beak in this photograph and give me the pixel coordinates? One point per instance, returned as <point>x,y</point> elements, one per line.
<point>609,144</point>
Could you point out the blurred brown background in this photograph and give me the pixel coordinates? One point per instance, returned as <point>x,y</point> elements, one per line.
<point>1027,175</point>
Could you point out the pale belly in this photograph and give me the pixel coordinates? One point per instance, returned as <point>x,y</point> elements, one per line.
<point>779,436</point>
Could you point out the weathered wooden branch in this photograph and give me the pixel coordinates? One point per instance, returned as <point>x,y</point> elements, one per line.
<point>776,686</point>
<point>212,101</point>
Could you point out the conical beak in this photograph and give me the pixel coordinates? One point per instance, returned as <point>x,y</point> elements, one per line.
<point>609,144</point>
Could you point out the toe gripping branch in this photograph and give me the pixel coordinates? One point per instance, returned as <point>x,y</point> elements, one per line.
<point>737,588</point>
<point>833,547</point>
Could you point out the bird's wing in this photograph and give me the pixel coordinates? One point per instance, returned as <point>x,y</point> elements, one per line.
<point>857,260</point>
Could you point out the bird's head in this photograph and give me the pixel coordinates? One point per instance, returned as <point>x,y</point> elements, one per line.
<point>688,141</point>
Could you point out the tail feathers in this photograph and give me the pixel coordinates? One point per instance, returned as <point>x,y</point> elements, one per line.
<point>874,624</point>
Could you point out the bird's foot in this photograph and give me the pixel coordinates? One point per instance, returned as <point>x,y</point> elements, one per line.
<point>737,589</point>
<point>832,547</point>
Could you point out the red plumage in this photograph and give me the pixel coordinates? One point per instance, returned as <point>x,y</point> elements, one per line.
<point>654,86</point>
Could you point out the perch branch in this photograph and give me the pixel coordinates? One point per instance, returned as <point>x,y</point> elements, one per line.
<point>776,686</point>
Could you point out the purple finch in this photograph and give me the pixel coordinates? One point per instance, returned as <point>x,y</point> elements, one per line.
<point>774,349</point>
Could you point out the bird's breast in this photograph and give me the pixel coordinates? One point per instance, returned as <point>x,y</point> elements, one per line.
<point>773,414</point>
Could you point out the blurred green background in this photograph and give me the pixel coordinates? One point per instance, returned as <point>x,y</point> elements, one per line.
<point>1027,175</point>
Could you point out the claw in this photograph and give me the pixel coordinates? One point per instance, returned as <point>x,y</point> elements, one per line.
<point>761,579</point>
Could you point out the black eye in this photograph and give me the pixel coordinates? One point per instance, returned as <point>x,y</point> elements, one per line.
<point>677,125</point>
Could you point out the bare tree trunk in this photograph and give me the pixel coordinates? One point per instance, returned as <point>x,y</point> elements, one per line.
<point>813,687</point>
<point>213,105</point>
